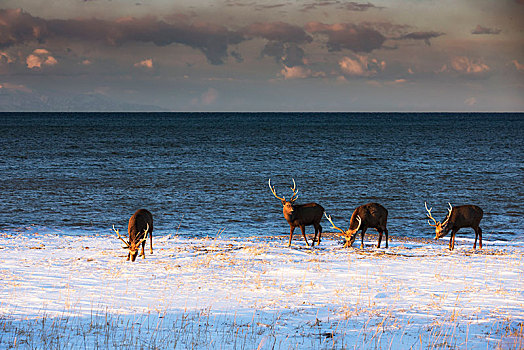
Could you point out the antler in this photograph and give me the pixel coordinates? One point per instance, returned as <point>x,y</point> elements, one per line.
<point>429,216</point>
<point>335,227</point>
<point>359,222</point>
<point>272,188</point>
<point>120,237</point>
<point>145,236</point>
<point>295,192</point>
<point>449,214</point>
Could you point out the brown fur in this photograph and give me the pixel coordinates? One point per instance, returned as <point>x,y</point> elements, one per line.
<point>461,216</point>
<point>136,228</point>
<point>373,215</point>
<point>302,215</point>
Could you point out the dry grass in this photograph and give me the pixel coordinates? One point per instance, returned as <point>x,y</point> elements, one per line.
<point>257,294</point>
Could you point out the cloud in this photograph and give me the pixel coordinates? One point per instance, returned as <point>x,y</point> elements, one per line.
<point>300,72</point>
<point>283,41</point>
<point>421,36</point>
<point>361,66</point>
<point>290,55</point>
<point>470,101</point>
<point>518,66</point>
<point>15,87</point>
<point>485,30</point>
<point>147,63</point>
<point>355,6</point>
<point>277,31</point>
<point>465,65</point>
<point>18,27</point>
<point>349,6</point>
<point>297,72</point>
<point>39,58</point>
<point>253,4</point>
<point>314,5</point>
<point>5,58</point>
<point>269,7</point>
<point>209,97</point>
<point>357,38</point>
<point>237,56</point>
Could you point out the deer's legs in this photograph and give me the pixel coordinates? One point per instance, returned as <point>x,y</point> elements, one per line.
<point>150,243</point>
<point>362,237</point>
<point>318,229</point>
<point>291,235</point>
<point>380,231</point>
<point>478,234</point>
<point>303,229</point>
<point>452,240</point>
<point>143,246</point>
<point>480,238</point>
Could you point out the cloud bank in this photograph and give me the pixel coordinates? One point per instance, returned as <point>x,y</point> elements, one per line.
<point>357,38</point>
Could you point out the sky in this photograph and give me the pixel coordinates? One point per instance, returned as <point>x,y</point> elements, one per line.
<point>274,55</point>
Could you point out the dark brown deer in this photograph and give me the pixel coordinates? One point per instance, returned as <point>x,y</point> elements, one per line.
<point>139,227</point>
<point>300,215</point>
<point>457,218</point>
<point>371,215</point>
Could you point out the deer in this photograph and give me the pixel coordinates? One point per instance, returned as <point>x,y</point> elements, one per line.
<point>300,215</point>
<point>457,218</point>
<point>371,215</point>
<point>139,227</point>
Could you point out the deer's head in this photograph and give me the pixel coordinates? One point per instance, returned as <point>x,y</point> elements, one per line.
<point>441,229</point>
<point>349,234</point>
<point>132,246</point>
<point>288,205</point>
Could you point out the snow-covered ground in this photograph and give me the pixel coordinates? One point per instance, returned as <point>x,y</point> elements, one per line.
<point>60,291</point>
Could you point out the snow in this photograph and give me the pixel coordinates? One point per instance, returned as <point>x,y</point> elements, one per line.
<point>256,293</point>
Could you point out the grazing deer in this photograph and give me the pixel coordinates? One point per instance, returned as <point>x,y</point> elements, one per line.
<point>457,218</point>
<point>371,215</point>
<point>139,227</point>
<point>300,215</point>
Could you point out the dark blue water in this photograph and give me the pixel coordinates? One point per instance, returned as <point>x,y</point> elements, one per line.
<point>200,173</point>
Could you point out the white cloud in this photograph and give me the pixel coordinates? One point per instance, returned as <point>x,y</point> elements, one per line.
<point>470,101</point>
<point>361,66</point>
<point>39,58</point>
<point>41,52</point>
<point>209,97</point>
<point>300,72</point>
<point>466,65</point>
<point>148,63</point>
<point>297,72</point>
<point>10,86</point>
<point>518,66</point>
<point>5,58</point>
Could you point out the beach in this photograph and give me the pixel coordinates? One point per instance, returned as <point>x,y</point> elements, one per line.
<point>222,292</point>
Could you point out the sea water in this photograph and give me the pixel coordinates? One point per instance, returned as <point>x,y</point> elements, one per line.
<point>201,173</point>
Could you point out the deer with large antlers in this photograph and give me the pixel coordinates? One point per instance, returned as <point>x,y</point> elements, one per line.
<point>371,215</point>
<point>300,215</point>
<point>139,227</point>
<point>457,218</point>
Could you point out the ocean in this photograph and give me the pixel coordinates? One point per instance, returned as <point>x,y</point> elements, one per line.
<point>205,173</point>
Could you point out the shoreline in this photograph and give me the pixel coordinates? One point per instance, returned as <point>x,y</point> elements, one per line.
<point>237,292</point>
